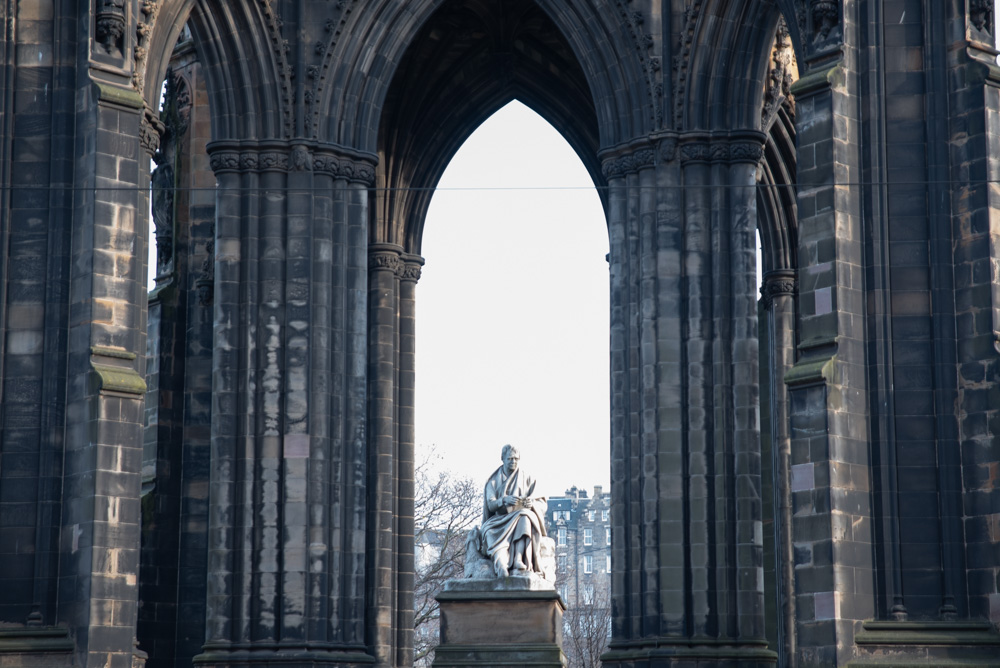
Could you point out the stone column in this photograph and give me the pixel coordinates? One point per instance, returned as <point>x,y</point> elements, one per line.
<point>392,285</point>
<point>406,435</point>
<point>287,517</point>
<point>687,554</point>
<point>383,342</point>
<point>778,297</point>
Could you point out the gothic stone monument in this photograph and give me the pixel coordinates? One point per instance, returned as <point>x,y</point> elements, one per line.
<point>222,471</point>
<point>506,612</point>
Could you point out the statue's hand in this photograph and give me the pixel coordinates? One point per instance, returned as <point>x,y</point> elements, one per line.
<point>509,500</point>
<point>526,502</point>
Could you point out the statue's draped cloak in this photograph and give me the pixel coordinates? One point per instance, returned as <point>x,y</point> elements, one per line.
<point>498,527</point>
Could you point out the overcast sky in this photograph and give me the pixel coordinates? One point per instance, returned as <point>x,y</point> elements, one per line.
<point>512,309</point>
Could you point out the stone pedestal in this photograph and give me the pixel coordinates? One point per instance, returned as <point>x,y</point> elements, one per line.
<point>516,621</point>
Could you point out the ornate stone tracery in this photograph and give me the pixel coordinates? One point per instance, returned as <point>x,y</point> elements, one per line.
<point>644,43</point>
<point>783,72</point>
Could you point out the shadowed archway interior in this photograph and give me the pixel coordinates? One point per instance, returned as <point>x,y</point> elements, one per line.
<point>467,61</point>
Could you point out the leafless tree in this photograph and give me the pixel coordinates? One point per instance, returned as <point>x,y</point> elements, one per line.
<point>586,628</point>
<point>446,507</point>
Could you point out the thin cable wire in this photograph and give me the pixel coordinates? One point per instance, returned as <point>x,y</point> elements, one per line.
<point>299,189</point>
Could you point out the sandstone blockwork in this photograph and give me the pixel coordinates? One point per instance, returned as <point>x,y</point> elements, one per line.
<point>220,472</point>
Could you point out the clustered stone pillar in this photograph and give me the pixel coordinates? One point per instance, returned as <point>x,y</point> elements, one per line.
<point>685,457</point>
<point>289,487</point>
<point>392,287</point>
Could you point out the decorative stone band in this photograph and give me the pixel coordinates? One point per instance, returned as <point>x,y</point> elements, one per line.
<point>293,156</point>
<point>697,151</point>
<point>745,148</point>
<point>780,283</point>
<point>628,159</point>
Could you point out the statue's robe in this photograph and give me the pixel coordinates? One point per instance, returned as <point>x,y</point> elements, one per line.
<point>508,523</point>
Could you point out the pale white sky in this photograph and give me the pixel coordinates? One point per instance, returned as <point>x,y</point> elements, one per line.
<point>512,309</point>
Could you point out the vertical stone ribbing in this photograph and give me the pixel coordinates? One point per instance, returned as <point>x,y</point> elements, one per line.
<point>674,583</point>
<point>623,550</point>
<point>686,490</point>
<point>697,333</point>
<point>392,283</point>
<point>289,495</point>
<point>742,178</point>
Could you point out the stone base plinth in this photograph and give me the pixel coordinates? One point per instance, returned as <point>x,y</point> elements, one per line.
<point>937,644</point>
<point>672,652</point>
<point>283,657</point>
<point>498,625</point>
<point>35,647</point>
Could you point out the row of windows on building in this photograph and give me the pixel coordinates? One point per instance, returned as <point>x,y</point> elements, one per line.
<point>588,536</point>
<point>565,515</point>
<point>562,562</point>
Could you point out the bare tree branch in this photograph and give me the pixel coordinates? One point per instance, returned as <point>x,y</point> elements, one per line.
<point>446,507</point>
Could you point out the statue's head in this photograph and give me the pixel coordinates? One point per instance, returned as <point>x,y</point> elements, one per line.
<point>511,456</point>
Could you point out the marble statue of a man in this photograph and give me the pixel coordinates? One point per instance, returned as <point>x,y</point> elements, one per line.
<point>513,519</point>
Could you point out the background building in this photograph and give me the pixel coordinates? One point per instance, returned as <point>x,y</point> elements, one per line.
<point>581,527</point>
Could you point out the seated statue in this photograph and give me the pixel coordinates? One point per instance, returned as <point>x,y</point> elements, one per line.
<point>513,529</point>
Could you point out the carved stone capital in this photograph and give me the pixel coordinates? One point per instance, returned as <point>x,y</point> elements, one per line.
<point>300,157</point>
<point>693,152</point>
<point>628,163</point>
<point>386,257</point>
<point>342,166</point>
<point>273,161</point>
<point>224,161</point>
<point>746,151</point>
<point>777,284</point>
<point>411,267</point>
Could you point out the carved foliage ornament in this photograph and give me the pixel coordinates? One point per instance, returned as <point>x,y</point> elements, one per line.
<point>644,46</point>
<point>300,159</point>
<point>682,61</point>
<point>386,260</point>
<point>778,286</point>
<point>722,151</point>
<point>628,164</point>
<point>781,76</point>
<point>143,31</point>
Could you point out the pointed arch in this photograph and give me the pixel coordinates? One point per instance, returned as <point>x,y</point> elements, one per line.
<point>241,48</point>
<point>723,87</point>
<point>379,38</point>
<point>466,62</point>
